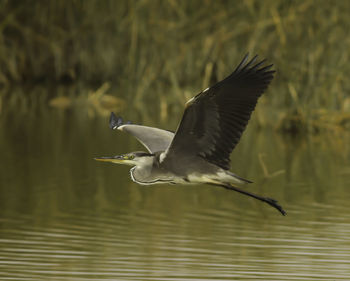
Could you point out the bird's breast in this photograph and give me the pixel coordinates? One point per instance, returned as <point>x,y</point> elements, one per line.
<point>147,177</point>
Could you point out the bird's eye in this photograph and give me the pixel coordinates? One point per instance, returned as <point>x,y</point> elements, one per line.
<point>129,157</point>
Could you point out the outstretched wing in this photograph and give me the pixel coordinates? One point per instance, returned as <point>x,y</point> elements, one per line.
<point>214,120</point>
<point>153,139</point>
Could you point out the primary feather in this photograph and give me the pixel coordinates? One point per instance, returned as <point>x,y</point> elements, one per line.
<point>214,120</point>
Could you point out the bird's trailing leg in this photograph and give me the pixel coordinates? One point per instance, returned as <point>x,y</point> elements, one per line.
<point>272,202</point>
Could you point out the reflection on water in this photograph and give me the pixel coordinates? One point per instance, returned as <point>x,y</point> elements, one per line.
<point>65,217</point>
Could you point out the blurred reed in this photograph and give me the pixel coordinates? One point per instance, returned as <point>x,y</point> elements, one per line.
<point>160,53</point>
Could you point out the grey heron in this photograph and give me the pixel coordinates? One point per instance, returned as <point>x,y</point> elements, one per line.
<point>211,126</point>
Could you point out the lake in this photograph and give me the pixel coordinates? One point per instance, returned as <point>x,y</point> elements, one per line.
<point>65,216</point>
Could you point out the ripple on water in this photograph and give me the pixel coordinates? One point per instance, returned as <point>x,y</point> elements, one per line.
<point>210,244</point>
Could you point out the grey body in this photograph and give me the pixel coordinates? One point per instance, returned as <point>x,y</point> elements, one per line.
<point>210,128</point>
<point>154,171</point>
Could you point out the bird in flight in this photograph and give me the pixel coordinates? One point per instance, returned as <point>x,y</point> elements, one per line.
<point>210,128</point>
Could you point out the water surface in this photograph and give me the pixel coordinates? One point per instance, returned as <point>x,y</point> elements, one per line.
<point>66,217</point>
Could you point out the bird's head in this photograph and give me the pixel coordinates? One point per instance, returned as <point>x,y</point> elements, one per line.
<point>132,158</point>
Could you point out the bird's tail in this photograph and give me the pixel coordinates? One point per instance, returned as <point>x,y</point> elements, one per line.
<point>240,179</point>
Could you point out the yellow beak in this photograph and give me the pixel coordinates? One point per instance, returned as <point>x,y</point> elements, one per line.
<point>116,160</point>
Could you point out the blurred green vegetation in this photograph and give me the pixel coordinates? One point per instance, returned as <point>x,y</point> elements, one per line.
<point>160,53</point>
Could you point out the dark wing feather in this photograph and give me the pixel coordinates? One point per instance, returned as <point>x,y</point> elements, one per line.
<point>214,120</point>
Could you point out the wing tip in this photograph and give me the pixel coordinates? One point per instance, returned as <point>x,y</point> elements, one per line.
<point>242,63</point>
<point>116,122</point>
<point>246,66</point>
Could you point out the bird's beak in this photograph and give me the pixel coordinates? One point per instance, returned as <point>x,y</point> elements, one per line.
<point>113,159</point>
<point>119,159</point>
